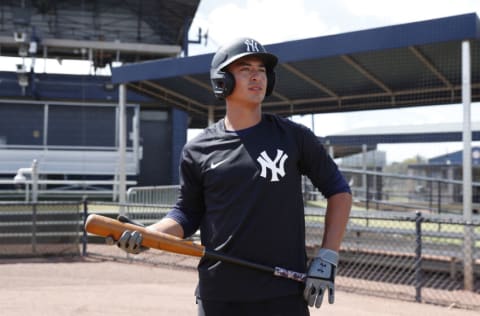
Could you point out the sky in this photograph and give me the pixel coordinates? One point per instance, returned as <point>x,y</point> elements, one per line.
<point>274,21</point>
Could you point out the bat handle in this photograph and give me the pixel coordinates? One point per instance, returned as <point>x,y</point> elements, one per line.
<point>277,271</point>
<point>289,274</point>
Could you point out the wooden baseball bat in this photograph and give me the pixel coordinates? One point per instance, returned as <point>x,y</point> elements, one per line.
<point>108,227</point>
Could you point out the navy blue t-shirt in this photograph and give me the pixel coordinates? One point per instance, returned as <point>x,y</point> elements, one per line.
<point>244,191</point>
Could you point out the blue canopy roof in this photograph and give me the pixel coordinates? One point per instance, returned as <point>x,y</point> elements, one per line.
<point>402,65</point>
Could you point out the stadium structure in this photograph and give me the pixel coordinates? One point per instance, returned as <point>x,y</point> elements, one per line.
<point>69,123</point>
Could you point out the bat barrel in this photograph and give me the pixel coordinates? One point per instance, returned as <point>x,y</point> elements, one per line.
<point>105,227</point>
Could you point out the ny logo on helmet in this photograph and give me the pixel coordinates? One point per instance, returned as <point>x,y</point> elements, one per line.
<point>252,46</point>
<point>276,166</point>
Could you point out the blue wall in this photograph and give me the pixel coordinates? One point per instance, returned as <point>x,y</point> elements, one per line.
<point>179,137</point>
<point>22,124</point>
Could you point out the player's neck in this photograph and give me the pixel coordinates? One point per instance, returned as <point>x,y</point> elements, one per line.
<point>241,118</point>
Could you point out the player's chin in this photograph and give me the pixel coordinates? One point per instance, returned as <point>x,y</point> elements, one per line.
<point>256,100</point>
<point>257,95</point>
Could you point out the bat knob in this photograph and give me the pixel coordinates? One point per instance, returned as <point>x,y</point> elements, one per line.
<point>109,240</point>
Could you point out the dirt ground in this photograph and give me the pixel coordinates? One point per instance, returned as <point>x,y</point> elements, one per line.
<point>96,286</point>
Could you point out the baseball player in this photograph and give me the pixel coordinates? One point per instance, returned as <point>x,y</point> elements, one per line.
<point>241,186</point>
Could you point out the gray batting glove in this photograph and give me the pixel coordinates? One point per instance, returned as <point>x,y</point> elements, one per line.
<point>320,277</point>
<point>129,241</point>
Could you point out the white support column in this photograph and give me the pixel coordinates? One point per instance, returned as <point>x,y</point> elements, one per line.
<point>135,138</point>
<point>122,140</point>
<point>450,186</point>
<point>364,169</point>
<point>211,115</point>
<point>467,167</point>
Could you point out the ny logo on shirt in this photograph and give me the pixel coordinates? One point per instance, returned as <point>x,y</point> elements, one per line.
<point>276,166</point>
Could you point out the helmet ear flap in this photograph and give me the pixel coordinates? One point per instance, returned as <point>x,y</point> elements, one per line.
<point>223,83</point>
<point>229,83</point>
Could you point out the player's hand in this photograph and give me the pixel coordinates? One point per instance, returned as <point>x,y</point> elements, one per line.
<point>129,241</point>
<point>321,277</point>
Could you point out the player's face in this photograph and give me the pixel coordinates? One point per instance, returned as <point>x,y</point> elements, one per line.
<point>250,80</point>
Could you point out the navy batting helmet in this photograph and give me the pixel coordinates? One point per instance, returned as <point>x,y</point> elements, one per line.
<point>223,82</point>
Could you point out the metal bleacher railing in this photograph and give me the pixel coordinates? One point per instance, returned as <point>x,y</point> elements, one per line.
<point>153,195</point>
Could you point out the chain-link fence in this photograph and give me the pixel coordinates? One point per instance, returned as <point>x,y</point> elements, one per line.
<point>414,257</point>
<point>421,257</point>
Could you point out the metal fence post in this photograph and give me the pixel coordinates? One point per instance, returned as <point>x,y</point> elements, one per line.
<point>418,257</point>
<point>367,192</point>
<point>84,236</point>
<point>34,227</point>
<point>430,194</point>
<point>439,197</point>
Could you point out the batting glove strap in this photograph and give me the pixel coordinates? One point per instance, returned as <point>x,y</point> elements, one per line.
<point>321,277</point>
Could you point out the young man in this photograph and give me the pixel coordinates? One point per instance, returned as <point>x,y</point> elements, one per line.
<point>241,185</point>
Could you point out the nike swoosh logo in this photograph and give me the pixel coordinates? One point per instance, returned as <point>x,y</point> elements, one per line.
<point>215,165</point>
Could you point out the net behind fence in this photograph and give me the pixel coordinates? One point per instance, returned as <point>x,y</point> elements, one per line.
<point>40,229</point>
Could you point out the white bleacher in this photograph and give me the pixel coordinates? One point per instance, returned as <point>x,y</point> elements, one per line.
<point>67,161</point>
